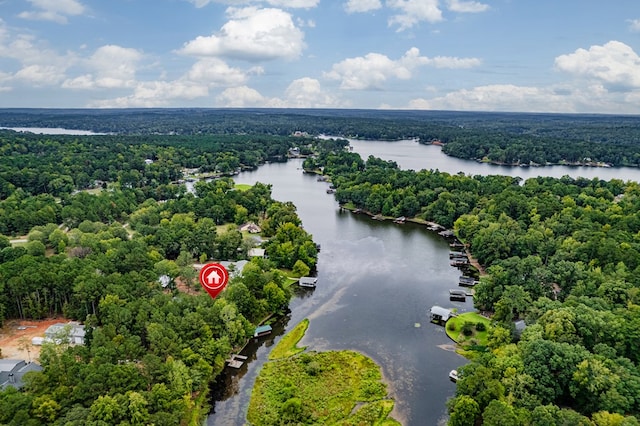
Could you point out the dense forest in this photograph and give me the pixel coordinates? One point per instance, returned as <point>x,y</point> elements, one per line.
<point>97,256</point>
<point>105,216</point>
<point>561,254</point>
<point>506,138</point>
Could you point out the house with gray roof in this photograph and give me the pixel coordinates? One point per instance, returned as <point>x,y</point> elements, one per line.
<point>13,370</point>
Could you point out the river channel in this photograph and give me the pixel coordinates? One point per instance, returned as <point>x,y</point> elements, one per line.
<point>376,284</point>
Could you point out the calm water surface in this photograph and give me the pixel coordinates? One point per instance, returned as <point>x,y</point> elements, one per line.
<point>376,283</point>
<point>412,155</point>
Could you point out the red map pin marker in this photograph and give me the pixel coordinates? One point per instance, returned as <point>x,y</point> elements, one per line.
<point>213,277</point>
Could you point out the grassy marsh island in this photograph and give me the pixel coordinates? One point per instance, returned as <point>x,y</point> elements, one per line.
<point>334,387</point>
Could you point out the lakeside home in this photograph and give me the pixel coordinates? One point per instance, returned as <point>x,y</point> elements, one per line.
<point>263,330</point>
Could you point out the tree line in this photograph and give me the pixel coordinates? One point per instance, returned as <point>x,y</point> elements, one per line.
<point>506,138</point>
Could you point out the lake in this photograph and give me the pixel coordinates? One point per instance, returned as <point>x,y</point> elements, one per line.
<point>376,284</point>
<point>51,131</point>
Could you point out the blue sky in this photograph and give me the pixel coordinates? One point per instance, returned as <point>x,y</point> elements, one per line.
<point>492,55</point>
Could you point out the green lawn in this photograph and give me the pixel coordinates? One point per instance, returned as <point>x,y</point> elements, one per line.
<point>477,340</point>
<point>242,186</point>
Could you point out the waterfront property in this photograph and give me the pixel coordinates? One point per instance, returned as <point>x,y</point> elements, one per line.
<point>263,330</point>
<point>308,282</point>
<point>466,281</point>
<point>440,314</point>
<point>236,361</point>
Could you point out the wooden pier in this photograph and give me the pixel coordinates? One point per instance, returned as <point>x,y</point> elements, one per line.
<point>236,361</point>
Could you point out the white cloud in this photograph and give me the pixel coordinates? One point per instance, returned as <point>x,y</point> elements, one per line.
<point>215,72</point>
<point>615,64</point>
<point>634,25</point>
<point>154,94</point>
<point>112,67</point>
<point>498,97</point>
<point>467,6</point>
<point>251,34</point>
<point>239,97</point>
<point>53,10</point>
<point>37,65</point>
<point>414,11</point>
<point>594,98</point>
<point>305,4</point>
<point>360,6</point>
<point>307,93</point>
<point>301,93</point>
<point>40,75</point>
<point>453,62</point>
<point>372,70</point>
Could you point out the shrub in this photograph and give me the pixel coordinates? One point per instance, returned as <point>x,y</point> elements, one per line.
<point>467,328</point>
<point>451,326</point>
<point>480,326</point>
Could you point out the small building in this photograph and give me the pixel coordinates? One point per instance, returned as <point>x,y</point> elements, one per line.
<point>234,267</point>
<point>256,252</point>
<point>71,332</point>
<point>307,282</point>
<point>13,370</point>
<point>262,330</point>
<point>440,314</point>
<point>250,227</point>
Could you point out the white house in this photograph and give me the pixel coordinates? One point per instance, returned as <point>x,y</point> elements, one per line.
<point>72,331</point>
<point>256,252</point>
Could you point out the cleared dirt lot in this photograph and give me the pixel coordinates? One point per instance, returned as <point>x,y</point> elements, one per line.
<point>16,333</point>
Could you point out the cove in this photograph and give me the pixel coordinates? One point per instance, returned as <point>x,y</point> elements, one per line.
<point>376,282</point>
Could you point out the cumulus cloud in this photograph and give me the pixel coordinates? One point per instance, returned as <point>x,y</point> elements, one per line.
<point>593,98</point>
<point>307,93</point>
<point>154,94</point>
<point>634,25</point>
<point>305,4</point>
<point>301,93</point>
<point>53,10</point>
<point>215,72</point>
<point>251,34</point>
<point>615,64</point>
<point>411,12</point>
<point>113,67</point>
<point>40,75</point>
<point>498,97</point>
<point>239,97</point>
<point>360,6</point>
<point>372,70</point>
<point>36,64</point>
<point>467,6</point>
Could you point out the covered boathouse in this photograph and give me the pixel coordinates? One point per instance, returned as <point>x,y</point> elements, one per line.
<point>440,314</point>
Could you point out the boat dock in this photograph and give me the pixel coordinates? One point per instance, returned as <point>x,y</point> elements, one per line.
<point>236,361</point>
<point>466,281</point>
